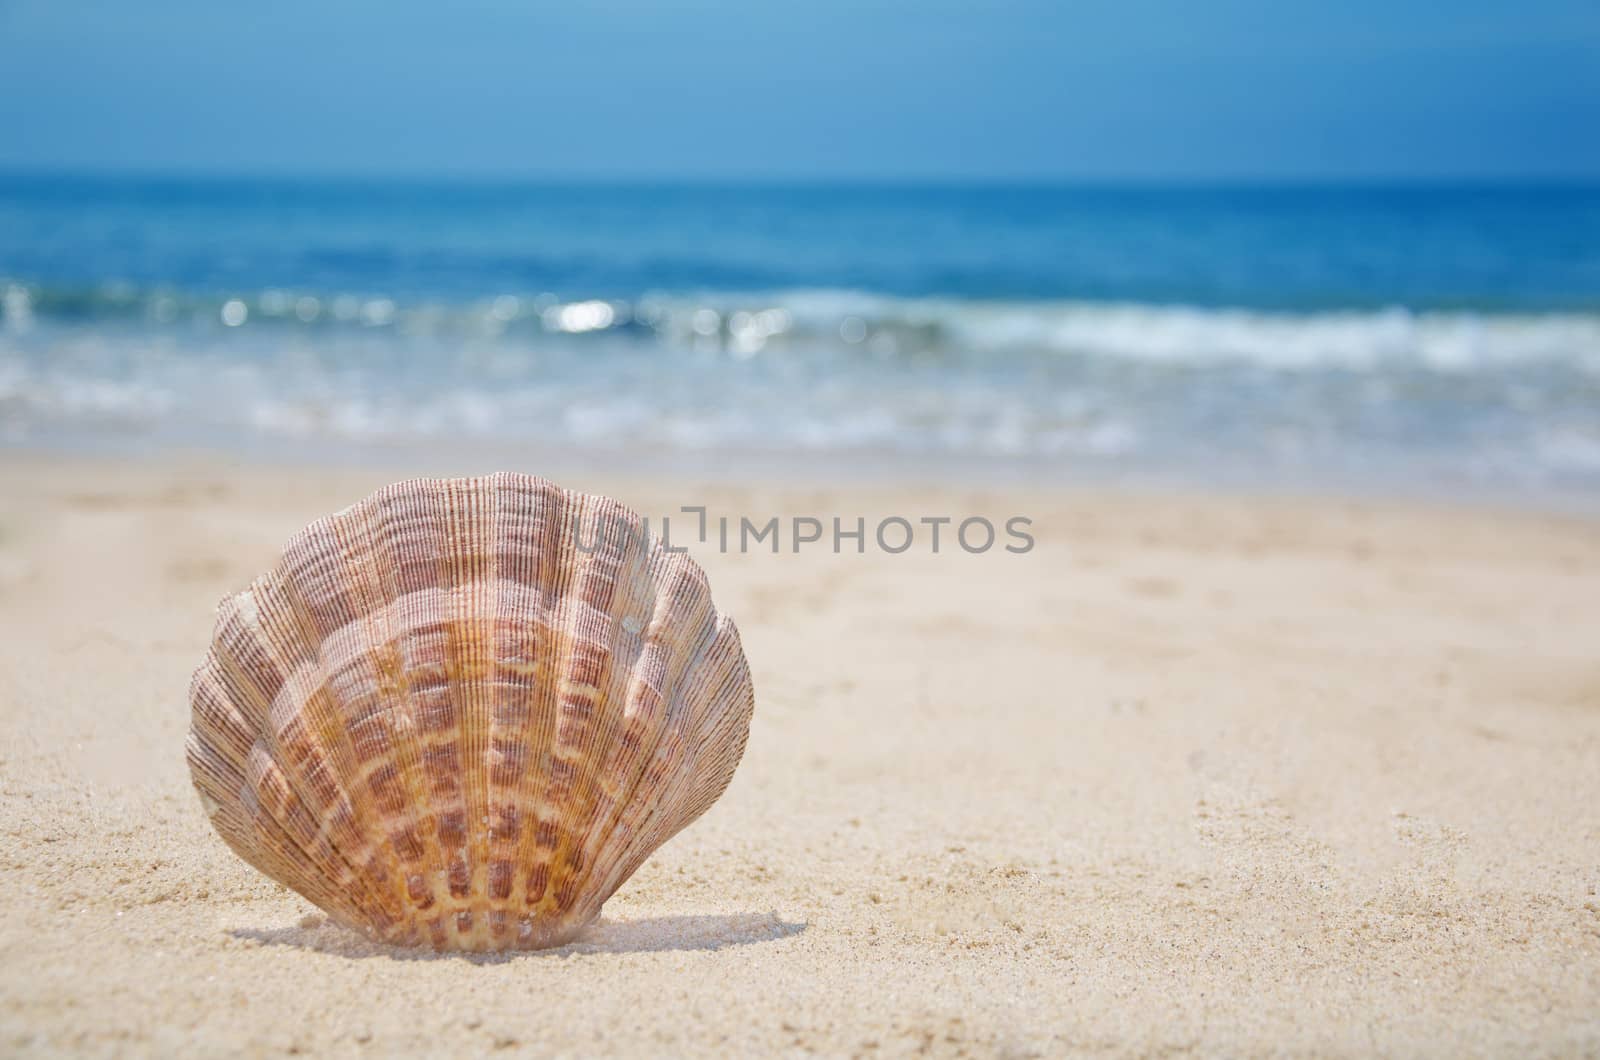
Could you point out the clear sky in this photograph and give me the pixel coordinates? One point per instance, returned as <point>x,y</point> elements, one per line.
<point>928,89</point>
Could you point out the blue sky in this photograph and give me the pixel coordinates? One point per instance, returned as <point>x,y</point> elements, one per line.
<point>938,90</point>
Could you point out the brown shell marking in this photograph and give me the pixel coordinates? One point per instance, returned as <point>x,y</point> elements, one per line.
<point>462,712</point>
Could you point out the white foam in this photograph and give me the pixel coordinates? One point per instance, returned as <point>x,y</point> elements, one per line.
<point>929,376</point>
<point>1442,341</point>
<point>1172,334</point>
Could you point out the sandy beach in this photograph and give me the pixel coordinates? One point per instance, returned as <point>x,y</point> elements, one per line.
<point>1225,775</point>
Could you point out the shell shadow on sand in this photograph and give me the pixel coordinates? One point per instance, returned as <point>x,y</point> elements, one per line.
<point>646,935</point>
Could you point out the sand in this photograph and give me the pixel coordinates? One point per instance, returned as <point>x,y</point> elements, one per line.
<point>1226,775</point>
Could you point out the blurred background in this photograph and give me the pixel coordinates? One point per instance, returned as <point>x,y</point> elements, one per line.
<point>1327,244</point>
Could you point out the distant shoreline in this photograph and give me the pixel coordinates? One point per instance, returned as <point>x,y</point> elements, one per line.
<point>1442,181</point>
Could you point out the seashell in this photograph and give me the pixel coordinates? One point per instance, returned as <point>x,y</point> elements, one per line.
<point>462,712</point>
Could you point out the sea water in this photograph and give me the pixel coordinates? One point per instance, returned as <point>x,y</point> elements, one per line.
<point>1309,334</point>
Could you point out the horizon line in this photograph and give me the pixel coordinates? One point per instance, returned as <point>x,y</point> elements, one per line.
<point>775,180</point>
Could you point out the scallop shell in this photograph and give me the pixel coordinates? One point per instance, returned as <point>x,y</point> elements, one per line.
<point>462,712</point>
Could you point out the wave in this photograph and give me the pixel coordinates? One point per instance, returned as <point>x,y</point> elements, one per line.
<point>811,372</point>
<point>746,325</point>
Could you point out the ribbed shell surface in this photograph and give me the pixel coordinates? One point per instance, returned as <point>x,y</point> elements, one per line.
<point>462,712</point>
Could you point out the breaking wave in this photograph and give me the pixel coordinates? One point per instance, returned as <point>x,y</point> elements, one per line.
<point>1496,396</point>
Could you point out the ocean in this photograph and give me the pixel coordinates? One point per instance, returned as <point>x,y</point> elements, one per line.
<point>1446,337</point>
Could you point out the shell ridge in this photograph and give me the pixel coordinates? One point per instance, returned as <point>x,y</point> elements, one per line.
<point>218,768</point>
<point>299,848</point>
<point>501,764</point>
<point>668,811</point>
<point>600,791</point>
<point>680,801</point>
<point>723,737</point>
<point>339,610</point>
<point>320,766</point>
<point>556,524</point>
<point>418,594</point>
<point>451,747</point>
<point>377,763</point>
<point>624,830</point>
<point>519,540</point>
<point>217,726</point>
<point>583,673</point>
<point>303,875</point>
<point>396,514</point>
<point>469,547</point>
<point>243,827</point>
<point>218,744</point>
<point>248,663</point>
